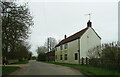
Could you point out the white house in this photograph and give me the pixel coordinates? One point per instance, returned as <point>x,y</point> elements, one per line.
<point>71,49</point>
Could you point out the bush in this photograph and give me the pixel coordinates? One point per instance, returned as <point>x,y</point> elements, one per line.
<point>41,57</point>
<point>108,57</point>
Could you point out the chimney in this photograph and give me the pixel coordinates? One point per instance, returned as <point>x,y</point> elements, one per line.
<point>89,24</point>
<point>65,36</point>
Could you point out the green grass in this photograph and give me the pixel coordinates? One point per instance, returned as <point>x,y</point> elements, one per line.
<point>88,70</point>
<point>6,70</point>
<point>21,62</point>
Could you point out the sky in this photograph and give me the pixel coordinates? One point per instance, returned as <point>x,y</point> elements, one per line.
<point>56,19</point>
<point>119,23</point>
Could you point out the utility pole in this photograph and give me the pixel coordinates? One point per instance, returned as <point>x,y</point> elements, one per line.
<point>48,44</point>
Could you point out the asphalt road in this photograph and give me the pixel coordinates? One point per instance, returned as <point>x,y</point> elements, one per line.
<point>40,68</point>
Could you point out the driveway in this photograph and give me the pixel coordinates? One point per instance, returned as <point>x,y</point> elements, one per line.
<point>40,68</point>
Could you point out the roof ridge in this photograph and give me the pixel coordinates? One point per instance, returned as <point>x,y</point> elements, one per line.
<point>72,37</point>
<point>96,33</point>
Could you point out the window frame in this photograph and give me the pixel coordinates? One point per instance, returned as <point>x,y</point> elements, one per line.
<point>65,57</point>
<point>61,58</point>
<point>65,46</point>
<point>76,56</point>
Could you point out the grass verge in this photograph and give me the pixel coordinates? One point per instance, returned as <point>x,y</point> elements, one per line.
<point>6,70</point>
<point>88,70</point>
<point>21,62</point>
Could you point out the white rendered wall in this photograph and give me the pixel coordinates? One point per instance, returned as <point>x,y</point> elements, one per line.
<point>88,41</point>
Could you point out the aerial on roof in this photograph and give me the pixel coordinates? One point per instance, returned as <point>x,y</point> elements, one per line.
<point>74,37</point>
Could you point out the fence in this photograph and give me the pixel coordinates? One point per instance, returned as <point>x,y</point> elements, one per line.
<point>10,61</point>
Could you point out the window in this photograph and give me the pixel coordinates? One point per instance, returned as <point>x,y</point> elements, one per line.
<point>76,56</point>
<point>61,47</point>
<point>65,57</point>
<point>60,57</point>
<point>65,46</point>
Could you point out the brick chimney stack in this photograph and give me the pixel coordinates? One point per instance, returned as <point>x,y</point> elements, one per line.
<point>89,24</point>
<point>65,36</point>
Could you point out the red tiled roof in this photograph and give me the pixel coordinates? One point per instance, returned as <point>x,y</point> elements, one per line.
<point>75,36</point>
<point>72,37</point>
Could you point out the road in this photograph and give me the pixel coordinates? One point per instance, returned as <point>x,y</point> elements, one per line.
<point>40,68</point>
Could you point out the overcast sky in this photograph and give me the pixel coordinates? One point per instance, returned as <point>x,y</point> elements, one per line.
<point>56,19</point>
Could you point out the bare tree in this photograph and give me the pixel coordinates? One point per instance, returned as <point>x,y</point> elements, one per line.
<point>50,43</point>
<point>41,53</point>
<point>109,51</point>
<point>41,50</point>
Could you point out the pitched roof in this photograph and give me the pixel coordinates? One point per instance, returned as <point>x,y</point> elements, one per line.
<point>75,36</point>
<point>72,37</point>
<point>96,33</point>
